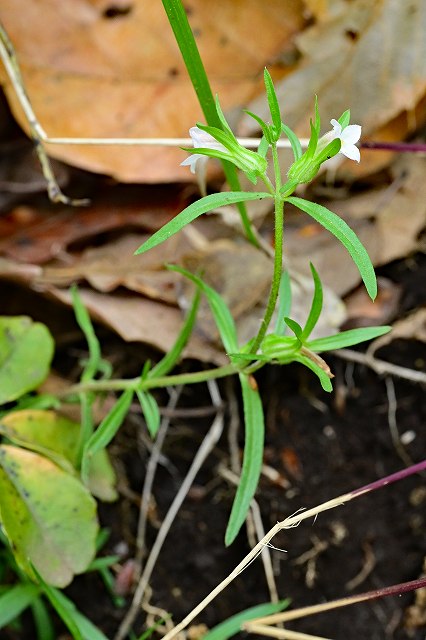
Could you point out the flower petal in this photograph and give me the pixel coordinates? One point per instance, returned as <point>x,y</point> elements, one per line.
<point>351,134</point>
<point>350,151</point>
<point>337,128</point>
<point>203,139</point>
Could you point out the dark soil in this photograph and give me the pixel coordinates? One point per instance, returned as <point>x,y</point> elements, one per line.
<point>322,445</point>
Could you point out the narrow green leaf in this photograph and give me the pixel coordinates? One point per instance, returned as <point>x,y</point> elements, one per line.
<point>310,364</point>
<point>148,633</point>
<point>263,147</point>
<point>42,620</point>
<point>106,431</point>
<point>26,351</point>
<point>316,306</point>
<point>345,235</point>
<point>196,209</point>
<point>15,600</point>
<point>232,626</point>
<point>262,124</point>
<point>150,411</point>
<point>347,338</point>
<point>191,56</point>
<point>221,314</point>
<point>171,358</point>
<point>222,118</point>
<point>274,107</point>
<point>79,626</point>
<point>253,457</point>
<point>85,323</point>
<point>345,118</point>
<point>284,302</point>
<point>294,141</point>
<point>295,327</point>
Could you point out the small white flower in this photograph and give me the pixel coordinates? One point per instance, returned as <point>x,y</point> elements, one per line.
<point>348,137</point>
<point>201,139</point>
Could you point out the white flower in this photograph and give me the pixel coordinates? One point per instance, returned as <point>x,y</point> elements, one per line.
<point>348,137</point>
<point>201,139</point>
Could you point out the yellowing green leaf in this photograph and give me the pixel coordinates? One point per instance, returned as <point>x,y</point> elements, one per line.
<point>26,350</point>
<point>47,514</point>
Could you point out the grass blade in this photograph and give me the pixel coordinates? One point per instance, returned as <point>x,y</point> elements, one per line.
<point>167,363</point>
<point>150,411</point>
<point>253,457</point>
<point>347,237</point>
<point>42,620</point>
<point>15,600</point>
<point>85,323</point>
<point>106,431</point>
<point>194,65</point>
<point>232,626</point>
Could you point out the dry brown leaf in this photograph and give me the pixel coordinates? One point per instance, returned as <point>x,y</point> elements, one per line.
<point>93,71</point>
<point>363,312</point>
<point>138,319</point>
<point>367,55</point>
<point>48,233</point>
<point>412,327</point>
<point>398,211</point>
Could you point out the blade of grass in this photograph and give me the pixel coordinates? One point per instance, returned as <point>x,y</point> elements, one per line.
<point>197,73</point>
<point>15,601</point>
<point>42,620</point>
<point>106,431</point>
<point>167,363</point>
<point>230,627</point>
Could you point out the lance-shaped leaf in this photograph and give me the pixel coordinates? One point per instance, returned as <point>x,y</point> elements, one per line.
<point>221,314</point>
<point>48,516</point>
<point>232,625</point>
<point>347,338</point>
<point>253,457</point>
<point>347,237</point>
<point>26,350</point>
<point>196,209</point>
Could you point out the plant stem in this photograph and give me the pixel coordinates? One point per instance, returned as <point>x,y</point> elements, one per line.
<point>278,255</point>
<point>150,383</point>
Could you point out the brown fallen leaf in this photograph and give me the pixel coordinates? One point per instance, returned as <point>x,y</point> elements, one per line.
<point>47,236</point>
<point>95,73</point>
<point>138,319</point>
<point>398,211</point>
<point>366,55</point>
<point>412,327</point>
<point>363,312</point>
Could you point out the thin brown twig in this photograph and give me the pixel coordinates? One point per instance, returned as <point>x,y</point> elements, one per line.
<point>37,133</point>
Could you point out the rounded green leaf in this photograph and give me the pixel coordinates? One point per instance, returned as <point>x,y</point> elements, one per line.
<point>26,350</point>
<point>57,437</point>
<point>47,514</point>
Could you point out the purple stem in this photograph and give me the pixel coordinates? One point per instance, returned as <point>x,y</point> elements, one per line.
<point>394,477</point>
<point>402,147</point>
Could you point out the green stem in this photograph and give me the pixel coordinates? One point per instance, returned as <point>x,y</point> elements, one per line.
<point>278,255</point>
<point>150,383</point>
<point>197,73</point>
